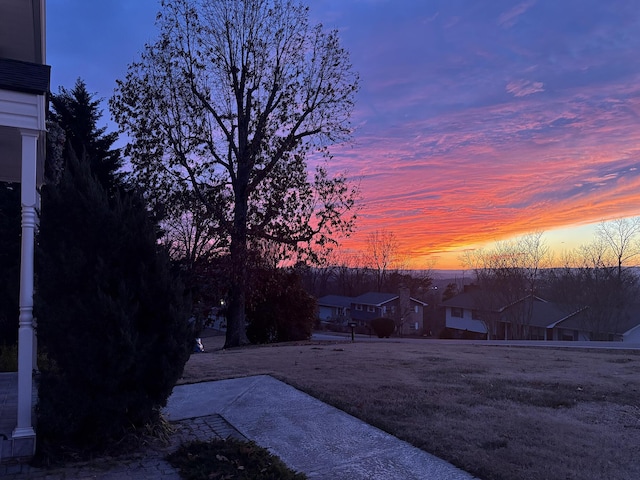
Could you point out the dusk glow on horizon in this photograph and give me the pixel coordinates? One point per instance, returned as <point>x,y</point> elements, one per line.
<point>476,121</point>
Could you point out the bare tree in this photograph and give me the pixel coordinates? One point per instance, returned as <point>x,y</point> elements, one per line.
<point>382,254</point>
<point>508,276</point>
<point>352,275</point>
<point>189,231</point>
<point>317,280</point>
<point>621,237</point>
<point>585,284</point>
<point>227,106</point>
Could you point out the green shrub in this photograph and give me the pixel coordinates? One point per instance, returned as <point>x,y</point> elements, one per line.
<point>8,358</point>
<point>279,309</point>
<point>447,334</point>
<point>383,327</point>
<point>469,335</point>
<point>110,315</point>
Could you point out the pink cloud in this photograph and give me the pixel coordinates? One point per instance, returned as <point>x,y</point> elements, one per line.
<point>522,88</point>
<point>509,18</point>
<point>488,173</point>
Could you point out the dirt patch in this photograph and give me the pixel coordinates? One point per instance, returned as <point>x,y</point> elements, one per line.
<point>497,412</point>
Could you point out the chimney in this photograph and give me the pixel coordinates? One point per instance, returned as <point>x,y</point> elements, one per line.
<point>405,301</point>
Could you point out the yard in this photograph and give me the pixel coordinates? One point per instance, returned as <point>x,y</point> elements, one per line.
<point>496,412</point>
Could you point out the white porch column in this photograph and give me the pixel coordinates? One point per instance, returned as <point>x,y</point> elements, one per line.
<point>24,427</point>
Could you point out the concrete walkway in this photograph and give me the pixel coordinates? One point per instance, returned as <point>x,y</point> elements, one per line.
<point>307,434</point>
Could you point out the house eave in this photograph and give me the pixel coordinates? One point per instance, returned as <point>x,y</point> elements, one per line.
<point>25,77</point>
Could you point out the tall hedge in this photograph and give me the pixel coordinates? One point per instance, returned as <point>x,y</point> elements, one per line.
<point>111,316</point>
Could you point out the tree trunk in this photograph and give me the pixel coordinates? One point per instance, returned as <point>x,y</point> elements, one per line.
<point>236,322</point>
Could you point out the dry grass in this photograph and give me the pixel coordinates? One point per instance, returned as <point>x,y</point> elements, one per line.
<point>496,412</point>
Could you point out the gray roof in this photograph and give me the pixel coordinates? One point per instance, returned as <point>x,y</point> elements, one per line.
<point>467,300</point>
<point>370,298</point>
<point>374,298</point>
<point>546,314</point>
<point>622,324</point>
<point>335,301</point>
<point>378,299</point>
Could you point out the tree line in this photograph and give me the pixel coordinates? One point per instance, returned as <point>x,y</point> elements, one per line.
<point>381,266</point>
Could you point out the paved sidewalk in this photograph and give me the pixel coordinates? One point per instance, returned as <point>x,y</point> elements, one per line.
<point>307,434</point>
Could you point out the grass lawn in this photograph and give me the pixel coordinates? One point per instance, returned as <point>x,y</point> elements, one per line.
<point>497,412</point>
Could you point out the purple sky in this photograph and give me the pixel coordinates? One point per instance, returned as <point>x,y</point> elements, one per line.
<point>476,120</point>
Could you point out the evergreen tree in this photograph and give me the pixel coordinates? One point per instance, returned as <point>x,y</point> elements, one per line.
<point>77,112</point>
<point>111,313</point>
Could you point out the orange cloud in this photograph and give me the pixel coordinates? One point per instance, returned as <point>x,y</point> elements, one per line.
<point>485,174</point>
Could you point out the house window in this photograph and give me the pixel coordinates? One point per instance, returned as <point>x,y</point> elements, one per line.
<point>358,307</point>
<point>415,309</point>
<point>456,312</point>
<point>371,308</point>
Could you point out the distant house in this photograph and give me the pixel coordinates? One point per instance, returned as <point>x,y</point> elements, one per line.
<point>334,309</point>
<point>622,328</point>
<point>531,318</point>
<point>407,311</point>
<point>463,313</point>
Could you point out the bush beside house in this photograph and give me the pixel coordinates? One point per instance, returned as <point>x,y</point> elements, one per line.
<point>383,327</point>
<point>110,315</point>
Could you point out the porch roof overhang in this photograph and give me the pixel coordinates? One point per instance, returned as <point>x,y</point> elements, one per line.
<point>20,111</point>
<point>24,83</point>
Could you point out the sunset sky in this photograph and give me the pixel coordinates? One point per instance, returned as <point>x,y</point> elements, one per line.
<point>476,121</point>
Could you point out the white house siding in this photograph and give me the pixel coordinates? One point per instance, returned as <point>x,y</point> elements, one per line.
<point>464,323</point>
<point>633,335</point>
